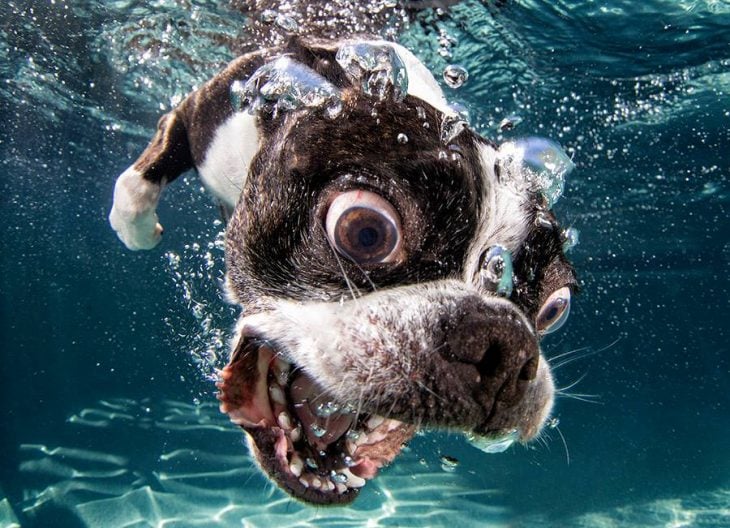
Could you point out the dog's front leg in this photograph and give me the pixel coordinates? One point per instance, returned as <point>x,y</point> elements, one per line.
<point>137,191</point>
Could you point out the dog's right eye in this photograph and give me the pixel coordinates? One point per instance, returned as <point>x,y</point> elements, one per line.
<point>364,227</point>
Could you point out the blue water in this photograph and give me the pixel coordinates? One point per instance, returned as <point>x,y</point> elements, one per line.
<point>107,416</point>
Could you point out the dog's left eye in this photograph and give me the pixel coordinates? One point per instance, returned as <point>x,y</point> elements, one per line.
<point>364,227</point>
<point>554,312</point>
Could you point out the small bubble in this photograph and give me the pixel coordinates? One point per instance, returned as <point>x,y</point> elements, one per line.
<point>338,477</point>
<point>311,463</point>
<point>455,75</point>
<point>353,435</point>
<point>542,220</point>
<point>402,138</point>
<point>571,237</point>
<point>318,431</point>
<point>287,23</point>
<point>326,409</point>
<point>509,122</point>
<point>449,463</point>
<point>268,16</point>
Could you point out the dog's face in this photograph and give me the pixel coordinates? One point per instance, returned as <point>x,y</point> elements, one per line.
<point>372,258</point>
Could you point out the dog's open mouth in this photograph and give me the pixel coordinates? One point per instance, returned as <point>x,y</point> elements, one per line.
<point>320,450</point>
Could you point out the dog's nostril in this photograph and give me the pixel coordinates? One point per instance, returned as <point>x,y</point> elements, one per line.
<point>529,369</point>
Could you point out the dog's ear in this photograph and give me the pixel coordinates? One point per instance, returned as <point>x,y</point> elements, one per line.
<point>180,143</point>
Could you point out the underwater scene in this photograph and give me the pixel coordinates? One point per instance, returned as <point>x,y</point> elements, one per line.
<point>110,357</point>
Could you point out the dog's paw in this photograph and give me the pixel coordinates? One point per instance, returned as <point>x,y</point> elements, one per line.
<point>133,215</point>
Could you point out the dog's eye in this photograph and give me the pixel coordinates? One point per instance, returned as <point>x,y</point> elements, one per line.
<point>554,312</point>
<point>364,227</point>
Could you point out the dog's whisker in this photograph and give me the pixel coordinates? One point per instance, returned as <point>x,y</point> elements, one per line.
<point>587,398</point>
<point>571,385</point>
<point>562,392</point>
<point>350,286</point>
<point>569,353</point>
<point>565,444</point>
<point>575,355</point>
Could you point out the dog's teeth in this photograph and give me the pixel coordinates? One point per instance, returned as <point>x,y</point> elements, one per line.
<point>374,421</point>
<point>277,394</point>
<point>285,421</point>
<point>376,436</point>
<point>362,439</point>
<point>341,488</point>
<point>350,447</point>
<point>353,481</point>
<point>393,424</point>
<point>316,483</point>
<point>296,465</point>
<point>330,485</point>
<point>296,434</point>
<point>304,482</point>
<point>281,371</point>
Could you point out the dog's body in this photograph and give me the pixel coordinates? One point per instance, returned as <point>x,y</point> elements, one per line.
<point>370,242</point>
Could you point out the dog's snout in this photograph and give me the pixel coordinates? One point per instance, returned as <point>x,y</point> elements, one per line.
<point>500,343</point>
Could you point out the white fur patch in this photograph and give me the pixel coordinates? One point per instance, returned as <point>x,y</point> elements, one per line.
<point>229,156</point>
<point>504,217</point>
<point>133,215</point>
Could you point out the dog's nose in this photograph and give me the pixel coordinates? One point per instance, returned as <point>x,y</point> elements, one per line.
<point>497,339</point>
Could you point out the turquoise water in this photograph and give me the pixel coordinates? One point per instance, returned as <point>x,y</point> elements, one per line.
<point>107,414</point>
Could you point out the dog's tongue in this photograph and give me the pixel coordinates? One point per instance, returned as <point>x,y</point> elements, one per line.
<point>321,421</point>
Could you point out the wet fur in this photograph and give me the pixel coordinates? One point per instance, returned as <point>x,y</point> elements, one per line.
<point>420,340</point>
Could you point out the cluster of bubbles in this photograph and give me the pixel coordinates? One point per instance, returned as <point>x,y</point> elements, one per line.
<point>285,85</point>
<point>543,164</point>
<point>196,273</point>
<point>377,68</point>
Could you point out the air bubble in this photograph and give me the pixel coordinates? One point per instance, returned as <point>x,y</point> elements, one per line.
<point>496,274</point>
<point>509,122</point>
<point>571,237</point>
<point>377,68</point>
<point>326,409</point>
<point>402,138</point>
<point>353,435</point>
<point>451,127</point>
<point>318,430</point>
<point>542,220</point>
<point>545,165</point>
<point>493,444</point>
<point>455,75</point>
<point>284,85</point>
<point>449,463</point>
<point>268,16</point>
<point>287,23</point>
<point>340,478</point>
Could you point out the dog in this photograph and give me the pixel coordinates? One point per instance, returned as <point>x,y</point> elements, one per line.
<point>395,269</point>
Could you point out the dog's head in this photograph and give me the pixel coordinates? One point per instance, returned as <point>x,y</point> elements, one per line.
<point>396,270</point>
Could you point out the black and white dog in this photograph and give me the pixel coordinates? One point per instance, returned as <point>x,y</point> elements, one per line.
<point>396,269</point>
